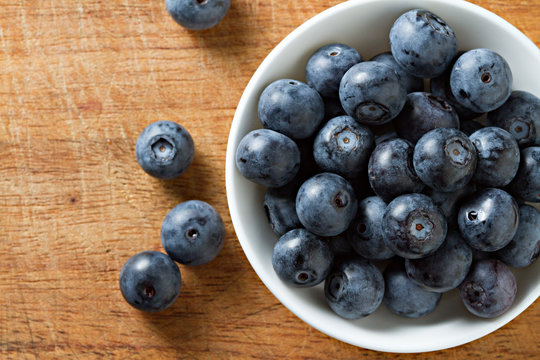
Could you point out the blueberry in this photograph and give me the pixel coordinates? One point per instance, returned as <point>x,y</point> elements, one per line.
<point>489,290</point>
<point>498,156</point>
<point>301,258</point>
<point>445,269</point>
<point>524,248</point>
<point>164,149</point>
<point>326,204</point>
<point>150,281</point>
<point>327,65</point>
<point>526,183</point>
<point>354,288</point>
<point>371,93</point>
<point>422,43</point>
<point>280,208</point>
<point>197,14</point>
<point>444,159</point>
<point>410,82</point>
<point>343,146</point>
<point>291,107</point>
<point>413,226</point>
<point>450,202</point>
<point>488,220</point>
<point>365,233</point>
<point>520,116</point>
<point>390,170</point>
<point>424,112</point>
<point>192,233</point>
<point>267,158</point>
<point>481,80</point>
<point>403,297</point>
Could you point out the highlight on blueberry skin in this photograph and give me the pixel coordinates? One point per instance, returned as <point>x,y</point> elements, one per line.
<point>489,290</point>
<point>165,150</point>
<point>193,233</point>
<point>526,184</point>
<point>150,281</point>
<point>197,14</point>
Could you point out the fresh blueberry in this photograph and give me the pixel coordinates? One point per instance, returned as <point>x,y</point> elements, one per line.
<point>197,14</point>
<point>343,146</point>
<point>403,297</point>
<point>390,170</point>
<point>326,204</point>
<point>365,233</point>
<point>470,126</point>
<point>424,112</point>
<point>444,159</point>
<point>327,65</point>
<point>291,107</point>
<point>450,202</point>
<point>488,220</point>
<point>301,258</point>
<point>354,288</point>
<point>280,208</point>
<point>150,281</point>
<point>193,233</point>
<point>413,226</point>
<point>164,149</point>
<point>526,183</point>
<point>445,269</point>
<point>267,158</point>
<point>422,43</point>
<point>481,80</point>
<point>524,248</point>
<point>489,290</point>
<point>410,82</point>
<point>371,93</point>
<point>498,156</point>
<point>520,116</point>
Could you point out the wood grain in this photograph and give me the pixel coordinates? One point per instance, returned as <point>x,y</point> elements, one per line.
<point>79,80</point>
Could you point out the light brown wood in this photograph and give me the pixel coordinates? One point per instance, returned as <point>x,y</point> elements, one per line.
<point>79,80</point>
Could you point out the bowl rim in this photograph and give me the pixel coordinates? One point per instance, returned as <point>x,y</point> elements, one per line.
<point>230,169</point>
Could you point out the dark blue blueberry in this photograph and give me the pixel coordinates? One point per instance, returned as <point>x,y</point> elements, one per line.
<point>267,158</point>
<point>150,281</point>
<point>444,159</point>
<point>165,149</point>
<point>327,65</point>
<point>326,204</point>
<point>422,43</point>
<point>354,289</point>
<point>403,297</point>
<point>520,116</point>
<point>424,112</point>
<point>489,290</point>
<point>526,183</point>
<point>481,80</point>
<point>371,93</point>
<point>192,233</point>
<point>488,219</point>
<point>446,268</point>
<point>390,170</point>
<point>498,156</point>
<point>410,82</point>
<point>413,226</point>
<point>365,233</point>
<point>524,248</point>
<point>280,208</point>
<point>450,202</point>
<point>343,146</point>
<point>197,14</point>
<point>301,258</point>
<point>291,107</point>
<point>470,126</point>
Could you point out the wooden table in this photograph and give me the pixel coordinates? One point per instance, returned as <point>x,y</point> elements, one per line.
<point>79,80</point>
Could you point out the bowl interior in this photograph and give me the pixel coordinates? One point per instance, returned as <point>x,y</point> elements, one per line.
<point>365,24</point>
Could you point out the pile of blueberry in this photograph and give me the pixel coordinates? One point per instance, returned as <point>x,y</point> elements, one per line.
<point>366,171</point>
<point>192,233</point>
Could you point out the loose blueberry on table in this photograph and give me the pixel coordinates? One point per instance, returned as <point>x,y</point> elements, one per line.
<point>197,14</point>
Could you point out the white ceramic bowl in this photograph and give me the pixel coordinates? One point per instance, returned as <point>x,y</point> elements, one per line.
<point>365,24</point>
